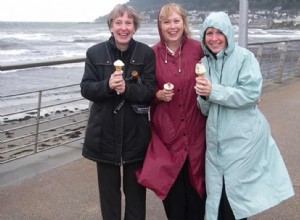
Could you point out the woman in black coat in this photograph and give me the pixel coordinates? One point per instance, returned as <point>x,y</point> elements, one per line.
<point>118,130</point>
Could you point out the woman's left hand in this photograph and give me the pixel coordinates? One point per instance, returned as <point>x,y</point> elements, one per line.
<point>203,86</point>
<point>165,95</point>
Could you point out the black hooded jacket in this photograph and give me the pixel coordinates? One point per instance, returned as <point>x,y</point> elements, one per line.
<point>115,133</point>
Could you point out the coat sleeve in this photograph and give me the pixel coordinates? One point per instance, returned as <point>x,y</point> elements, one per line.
<point>203,105</point>
<point>94,84</point>
<point>246,89</point>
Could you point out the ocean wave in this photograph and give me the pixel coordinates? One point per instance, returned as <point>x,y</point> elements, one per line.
<point>27,55</point>
<point>14,52</point>
<point>26,36</point>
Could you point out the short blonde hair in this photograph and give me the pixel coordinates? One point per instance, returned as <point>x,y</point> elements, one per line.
<point>166,12</point>
<point>119,10</point>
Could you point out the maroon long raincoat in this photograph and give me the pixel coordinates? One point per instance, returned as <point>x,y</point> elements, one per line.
<point>178,127</point>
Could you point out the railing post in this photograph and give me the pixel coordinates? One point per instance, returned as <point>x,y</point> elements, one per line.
<point>243,23</point>
<point>38,114</point>
<point>297,73</point>
<point>281,63</point>
<point>259,53</point>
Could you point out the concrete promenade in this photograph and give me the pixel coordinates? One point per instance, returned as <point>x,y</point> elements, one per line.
<point>59,184</point>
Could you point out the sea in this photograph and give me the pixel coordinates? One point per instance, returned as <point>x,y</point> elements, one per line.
<point>23,42</point>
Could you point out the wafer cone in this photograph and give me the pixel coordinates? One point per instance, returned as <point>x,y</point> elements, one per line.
<point>200,74</point>
<point>118,68</point>
<point>200,69</point>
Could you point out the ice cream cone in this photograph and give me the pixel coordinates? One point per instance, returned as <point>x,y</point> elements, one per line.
<point>118,65</point>
<point>200,69</point>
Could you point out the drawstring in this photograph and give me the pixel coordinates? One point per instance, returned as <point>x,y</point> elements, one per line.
<point>179,54</point>
<point>166,56</point>
<point>179,58</point>
<point>223,63</point>
<point>170,51</point>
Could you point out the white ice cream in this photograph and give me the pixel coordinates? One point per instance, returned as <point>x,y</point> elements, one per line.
<point>200,68</point>
<point>168,86</point>
<point>118,63</point>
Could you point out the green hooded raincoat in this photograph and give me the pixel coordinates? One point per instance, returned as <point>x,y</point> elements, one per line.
<point>240,148</point>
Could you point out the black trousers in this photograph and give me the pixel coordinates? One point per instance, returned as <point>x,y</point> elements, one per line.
<point>225,211</point>
<point>183,202</point>
<point>109,182</point>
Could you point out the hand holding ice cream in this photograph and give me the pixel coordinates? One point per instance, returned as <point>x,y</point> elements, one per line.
<point>203,86</point>
<point>116,81</point>
<point>166,93</point>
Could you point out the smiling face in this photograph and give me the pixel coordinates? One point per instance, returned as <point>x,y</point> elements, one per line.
<point>122,29</point>
<point>172,28</point>
<point>215,40</point>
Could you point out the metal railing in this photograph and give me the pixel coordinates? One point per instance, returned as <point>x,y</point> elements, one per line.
<point>278,59</point>
<point>46,125</point>
<point>37,132</point>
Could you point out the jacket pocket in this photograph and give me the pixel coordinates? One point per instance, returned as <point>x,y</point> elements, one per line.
<point>164,126</point>
<point>93,133</point>
<point>140,109</point>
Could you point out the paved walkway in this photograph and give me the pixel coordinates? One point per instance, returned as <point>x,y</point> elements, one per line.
<point>59,184</point>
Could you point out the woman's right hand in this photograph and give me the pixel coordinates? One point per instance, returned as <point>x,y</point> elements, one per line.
<point>117,82</point>
<point>203,86</point>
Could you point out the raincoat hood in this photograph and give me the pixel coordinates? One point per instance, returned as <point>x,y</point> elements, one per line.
<point>159,29</point>
<point>220,21</point>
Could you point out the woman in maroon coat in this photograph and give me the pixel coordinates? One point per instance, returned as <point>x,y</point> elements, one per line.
<point>174,165</point>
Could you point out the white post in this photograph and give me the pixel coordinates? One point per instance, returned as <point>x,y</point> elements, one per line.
<point>297,73</point>
<point>243,23</point>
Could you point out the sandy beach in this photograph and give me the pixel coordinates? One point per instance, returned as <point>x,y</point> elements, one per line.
<point>18,137</point>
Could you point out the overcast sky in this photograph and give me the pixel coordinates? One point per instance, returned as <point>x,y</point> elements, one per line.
<point>55,10</point>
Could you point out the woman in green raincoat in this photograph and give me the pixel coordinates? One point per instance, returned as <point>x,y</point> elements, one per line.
<point>245,172</point>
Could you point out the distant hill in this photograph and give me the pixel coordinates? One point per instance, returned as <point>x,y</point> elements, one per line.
<point>232,6</point>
